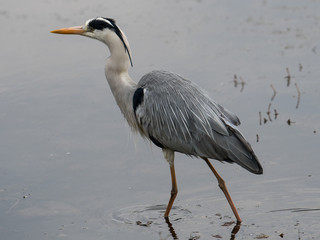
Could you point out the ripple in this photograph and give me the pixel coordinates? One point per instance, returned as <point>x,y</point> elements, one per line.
<point>145,215</point>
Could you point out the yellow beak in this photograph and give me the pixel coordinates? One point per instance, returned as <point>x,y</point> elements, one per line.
<point>70,30</point>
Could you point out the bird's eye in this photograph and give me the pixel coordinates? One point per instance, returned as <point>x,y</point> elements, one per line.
<point>89,28</point>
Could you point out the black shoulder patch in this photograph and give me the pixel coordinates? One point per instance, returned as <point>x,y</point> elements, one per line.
<point>137,99</point>
<point>156,142</point>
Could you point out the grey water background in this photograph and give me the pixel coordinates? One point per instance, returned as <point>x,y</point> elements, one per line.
<point>71,169</point>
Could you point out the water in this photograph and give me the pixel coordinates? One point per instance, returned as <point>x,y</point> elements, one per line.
<point>70,168</point>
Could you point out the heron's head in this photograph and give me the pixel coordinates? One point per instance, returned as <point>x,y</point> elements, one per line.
<point>102,29</point>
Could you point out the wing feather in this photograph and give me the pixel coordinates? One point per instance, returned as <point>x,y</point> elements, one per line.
<point>175,111</point>
<point>176,114</point>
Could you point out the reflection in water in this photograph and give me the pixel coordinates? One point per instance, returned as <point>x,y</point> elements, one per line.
<point>234,231</point>
<point>171,229</point>
<point>152,217</point>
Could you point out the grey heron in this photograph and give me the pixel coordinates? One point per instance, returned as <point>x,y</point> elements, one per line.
<point>172,112</point>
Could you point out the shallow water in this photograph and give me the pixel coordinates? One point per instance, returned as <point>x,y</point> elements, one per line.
<point>70,167</point>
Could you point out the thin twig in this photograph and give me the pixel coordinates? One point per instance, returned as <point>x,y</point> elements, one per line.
<point>260,119</point>
<point>242,84</point>
<point>268,112</point>
<point>289,122</point>
<point>275,114</point>
<point>288,77</point>
<point>299,94</point>
<point>235,80</point>
<point>265,120</point>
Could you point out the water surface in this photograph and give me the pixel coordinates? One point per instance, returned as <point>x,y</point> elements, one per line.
<point>71,169</point>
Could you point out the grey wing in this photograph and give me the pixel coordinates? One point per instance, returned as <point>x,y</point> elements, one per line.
<point>175,113</point>
<point>229,116</point>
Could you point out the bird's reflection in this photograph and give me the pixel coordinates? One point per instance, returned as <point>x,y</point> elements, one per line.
<point>174,235</point>
<point>235,230</point>
<point>171,229</point>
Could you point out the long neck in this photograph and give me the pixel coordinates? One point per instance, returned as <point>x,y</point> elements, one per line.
<point>119,60</point>
<point>121,85</point>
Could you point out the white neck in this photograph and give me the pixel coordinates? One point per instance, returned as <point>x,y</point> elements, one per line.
<point>121,85</point>
<point>119,60</point>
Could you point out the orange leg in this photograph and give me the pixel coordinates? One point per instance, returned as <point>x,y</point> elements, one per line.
<point>223,187</point>
<point>174,190</point>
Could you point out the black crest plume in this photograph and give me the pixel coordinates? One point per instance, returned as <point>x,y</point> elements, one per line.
<point>100,23</point>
